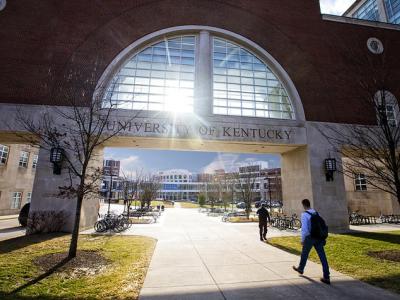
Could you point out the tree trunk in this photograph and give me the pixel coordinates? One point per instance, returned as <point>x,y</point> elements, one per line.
<point>75,233</point>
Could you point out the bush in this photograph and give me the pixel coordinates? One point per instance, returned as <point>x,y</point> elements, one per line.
<point>45,221</point>
<point>202,200</point>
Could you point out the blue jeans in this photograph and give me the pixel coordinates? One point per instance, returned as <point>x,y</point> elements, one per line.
<point>309,242</point>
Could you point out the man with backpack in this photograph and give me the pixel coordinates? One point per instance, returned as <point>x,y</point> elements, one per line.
<point>313,234</point>
<point>263,219</point>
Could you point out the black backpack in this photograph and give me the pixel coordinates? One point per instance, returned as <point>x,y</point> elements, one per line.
<point>319,229</point>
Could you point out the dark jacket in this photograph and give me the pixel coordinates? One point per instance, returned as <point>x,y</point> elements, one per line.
<point>263,215</point>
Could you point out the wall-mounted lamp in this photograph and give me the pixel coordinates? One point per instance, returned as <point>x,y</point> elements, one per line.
<point>330,168</point>
<point>56,157</point>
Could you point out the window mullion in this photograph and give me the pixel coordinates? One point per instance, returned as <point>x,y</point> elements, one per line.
<point>203,84</point>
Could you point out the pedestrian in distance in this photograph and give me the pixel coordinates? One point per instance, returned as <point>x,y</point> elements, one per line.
<point>313,234</point>
<point>263,219</point>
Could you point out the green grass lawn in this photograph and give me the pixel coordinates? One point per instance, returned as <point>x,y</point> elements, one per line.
<point>189,205</point>
<point>347,253</point>
<point>129,258</point>
<point>166,204</point>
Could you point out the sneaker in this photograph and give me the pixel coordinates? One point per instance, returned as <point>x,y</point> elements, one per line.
<point>261,239</point>
<point>298,270</point>
<point>325,280</point>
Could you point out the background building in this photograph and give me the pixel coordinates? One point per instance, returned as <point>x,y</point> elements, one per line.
<point>387,11</point>
<point>181,185</point>
<point>18,164</point>
<point>111,186</point>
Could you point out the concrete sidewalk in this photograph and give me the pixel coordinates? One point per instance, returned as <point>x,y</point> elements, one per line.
<point>199,257</point>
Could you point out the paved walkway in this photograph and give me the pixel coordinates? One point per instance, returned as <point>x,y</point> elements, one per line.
<point>199,257</point>
<point>10,228</point>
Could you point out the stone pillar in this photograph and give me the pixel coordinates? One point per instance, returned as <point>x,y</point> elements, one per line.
<point>203,87</point>
<point>46,188</point>
<point>303,176</point>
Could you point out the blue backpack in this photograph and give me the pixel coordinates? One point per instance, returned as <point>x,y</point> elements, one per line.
<point>319,229</point>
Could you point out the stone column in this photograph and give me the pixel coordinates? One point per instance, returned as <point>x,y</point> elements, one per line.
<point>303,176</point>
<point>203,88</point>
<point>45,193</point>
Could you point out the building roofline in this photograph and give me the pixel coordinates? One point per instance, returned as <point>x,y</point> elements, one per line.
<point>360,22</point>
<point>352,7</point>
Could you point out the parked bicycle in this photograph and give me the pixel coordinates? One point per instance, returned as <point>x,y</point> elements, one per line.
<point>358,219</point>
<point>112,222</point>
<point>284,222</point>
<point>390,219</point>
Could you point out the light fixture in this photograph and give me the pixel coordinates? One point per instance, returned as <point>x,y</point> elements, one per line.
<point>330,168</point>
<point>56,157</point>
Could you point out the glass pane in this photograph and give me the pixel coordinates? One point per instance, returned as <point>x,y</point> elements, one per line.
<point>251,85</point>
<point>143,82</point>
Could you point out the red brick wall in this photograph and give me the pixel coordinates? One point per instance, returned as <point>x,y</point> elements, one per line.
<point>42,41</point>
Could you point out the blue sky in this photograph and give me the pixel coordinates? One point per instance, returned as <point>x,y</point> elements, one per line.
<point>335,7</point>
<point>154,160</point>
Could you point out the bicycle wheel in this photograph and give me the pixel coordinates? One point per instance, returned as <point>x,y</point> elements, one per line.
<point>296,224</point>
<point>99,226</point>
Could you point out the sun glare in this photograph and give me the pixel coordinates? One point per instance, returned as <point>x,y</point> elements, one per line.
<point>178,101</point>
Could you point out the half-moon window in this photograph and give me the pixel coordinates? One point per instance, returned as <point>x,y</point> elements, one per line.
<point>162,77</point>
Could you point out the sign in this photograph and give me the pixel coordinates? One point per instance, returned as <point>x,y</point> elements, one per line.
<point>191,129</point>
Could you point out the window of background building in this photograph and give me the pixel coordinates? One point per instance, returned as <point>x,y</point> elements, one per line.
<point>23,159</point>
<point>16,200</point>
<point>393,11</point>
<point>360,182</point>
<point>3,154</point>
<point>367,11</point>
<point>28,197</point>
<point>34,161</point>
<point>387,106</point>
<point>161,77</point>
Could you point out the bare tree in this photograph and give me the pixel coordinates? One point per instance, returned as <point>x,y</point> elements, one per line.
<point>149,188</point>
<point>246,185</point>
<point>370,149</point>
<point>80,129</point>
<point>213,193</point>
<point>130,187</point>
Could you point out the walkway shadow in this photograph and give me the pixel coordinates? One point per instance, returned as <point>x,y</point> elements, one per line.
<point>20,242</point>
<point>11,229</point>
<point>378,236</point>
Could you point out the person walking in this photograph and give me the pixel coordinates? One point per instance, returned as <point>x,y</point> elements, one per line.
<point>263,219</point>
<point>313,234</point>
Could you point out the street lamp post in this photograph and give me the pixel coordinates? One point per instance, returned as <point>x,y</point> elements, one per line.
<point>109,194</point>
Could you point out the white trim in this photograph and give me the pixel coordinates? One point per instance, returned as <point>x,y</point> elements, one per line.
<point>354,21</point>
<point>270,61</point>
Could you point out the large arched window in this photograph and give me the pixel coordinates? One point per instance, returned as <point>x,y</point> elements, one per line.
<point>160,77</point>
<point>164,76</point>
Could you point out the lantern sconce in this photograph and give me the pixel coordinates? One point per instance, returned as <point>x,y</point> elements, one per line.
<point>56,157</point>
<point>330,168</point>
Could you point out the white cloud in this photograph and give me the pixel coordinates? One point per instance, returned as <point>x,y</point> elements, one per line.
<point>335,7</point>
<point>230,163</point>
<point>130,164</point>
